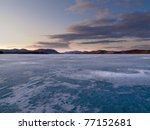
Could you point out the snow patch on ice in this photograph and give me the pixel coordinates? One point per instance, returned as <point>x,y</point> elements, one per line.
<point>138,77</point>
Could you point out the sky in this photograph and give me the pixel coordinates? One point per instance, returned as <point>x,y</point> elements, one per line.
<point>68,25</point>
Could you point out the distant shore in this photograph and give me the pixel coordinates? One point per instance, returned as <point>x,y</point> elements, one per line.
<point>52,51</point>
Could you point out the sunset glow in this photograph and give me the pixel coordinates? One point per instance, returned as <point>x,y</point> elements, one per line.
<point>75,24</point>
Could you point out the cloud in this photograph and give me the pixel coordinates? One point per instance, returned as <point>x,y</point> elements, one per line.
<point>129,25</point>
<point>81,6</point>
<point>104,42</point>
<point>127,3</point>
<point>107,27</point>
<point>69,36</point>
<point>110,33</point>
<point>108,24</point>
<point>103,17</point>
<point>119,3</point>
<point>51,45</point>
<point>142,47</point>
<point>114,47</point>
<point>102,13</point>
<point>99,22</point>
<point>144,39</point>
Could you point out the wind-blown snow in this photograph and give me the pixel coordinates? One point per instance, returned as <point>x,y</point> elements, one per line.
<point>74,83</point>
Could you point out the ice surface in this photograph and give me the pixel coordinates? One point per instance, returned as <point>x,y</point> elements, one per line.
<point>74,83</point>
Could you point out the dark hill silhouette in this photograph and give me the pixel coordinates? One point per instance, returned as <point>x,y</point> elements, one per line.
<point>52,51</point>
<point>110,52</point>
<point>135,52</point>
<point>24,51</point>
<point>1,52</point>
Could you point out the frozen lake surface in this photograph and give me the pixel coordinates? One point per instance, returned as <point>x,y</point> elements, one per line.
<point>74,83</point>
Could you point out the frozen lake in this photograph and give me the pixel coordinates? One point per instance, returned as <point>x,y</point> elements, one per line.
<point>74,83</point>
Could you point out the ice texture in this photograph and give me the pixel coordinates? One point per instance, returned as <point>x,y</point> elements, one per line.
<point>74,83</point>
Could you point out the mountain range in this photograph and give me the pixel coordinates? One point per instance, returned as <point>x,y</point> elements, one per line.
<point>110,52</point>
<point>25,51</point>
<point>52,51</point>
